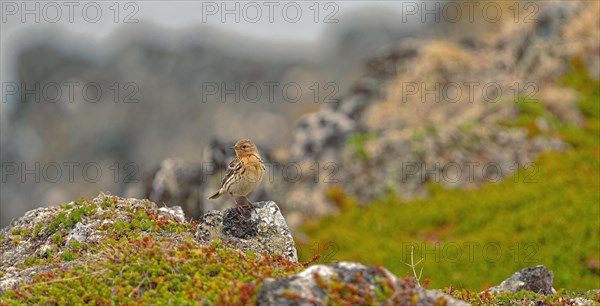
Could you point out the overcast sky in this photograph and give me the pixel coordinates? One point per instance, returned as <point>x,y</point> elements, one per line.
<point>88,23</point>
<point>289,20</point>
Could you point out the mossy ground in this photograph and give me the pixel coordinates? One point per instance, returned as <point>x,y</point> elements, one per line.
<point>144,259</point>
<point>521,298</point>
<point>136,255</point>
<point>547,214</point>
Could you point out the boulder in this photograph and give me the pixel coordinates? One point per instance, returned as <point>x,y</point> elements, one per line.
<point>52,231</point>
<point>177,182</point>
<point>537,279</point>
<point>47,233</point>
<point>349,282</point>
<point>259,230</point>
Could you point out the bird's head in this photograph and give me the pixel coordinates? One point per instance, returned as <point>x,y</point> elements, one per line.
<point>244,147</point>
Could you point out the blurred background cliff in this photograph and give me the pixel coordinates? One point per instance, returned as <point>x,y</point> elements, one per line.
<point>156,103</point>
<point>164,69</point>
<point>155,76</point>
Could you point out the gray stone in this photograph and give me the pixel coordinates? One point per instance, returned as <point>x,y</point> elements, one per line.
<point>352,106</point>
<point>174,211</point>
<point>537,279</point>
<point>79,233</point>
<point>579,301</point>
<point>319,132</point>
<point>16,248</point>
<point>303,288</point>
<point>262,229</point>
<point>177,182</point>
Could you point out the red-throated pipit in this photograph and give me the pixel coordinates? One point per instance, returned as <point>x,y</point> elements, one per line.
<point>243,173</point>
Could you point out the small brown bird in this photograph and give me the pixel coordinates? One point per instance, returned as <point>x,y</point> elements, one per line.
<point>243,173</point>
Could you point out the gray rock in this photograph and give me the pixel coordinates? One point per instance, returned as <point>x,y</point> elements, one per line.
<point>175,211</point>
<point>177,182</point>
<point>537,279</point>
<point>79,233</point>
<point>319,132</point>
<point>440,135</point>
<point>579,301</point>
<point>262,229</point>
<point>352,106</point>
<point>306,287</point>
<point>16,246</point>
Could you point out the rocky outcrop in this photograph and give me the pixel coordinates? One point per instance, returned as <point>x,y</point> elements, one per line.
<point>54,232</point>
<point>177,182</point>
<point>260,230</point>
<point>354,282</point>
<point>36,242</point>
<point>436,110</point>
<point>537,279</point>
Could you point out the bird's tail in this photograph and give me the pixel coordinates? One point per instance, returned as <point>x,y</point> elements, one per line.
<point>216,195</point>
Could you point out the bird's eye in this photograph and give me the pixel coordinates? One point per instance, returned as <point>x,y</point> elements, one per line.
<point>245,147</point>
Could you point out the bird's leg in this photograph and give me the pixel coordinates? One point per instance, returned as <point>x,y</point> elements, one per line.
<point>239,208</point>
<point>250,202</point>
<point>233,198</point>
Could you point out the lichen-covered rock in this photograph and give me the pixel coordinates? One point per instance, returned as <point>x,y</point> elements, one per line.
<point>407,107</point>
<point>262,229</point>
<point>132,251</point>
<point>353,282</point>
<point>56,238</point>
<point>537,279</point>
<point>48,234</point>
<point>579,301</point>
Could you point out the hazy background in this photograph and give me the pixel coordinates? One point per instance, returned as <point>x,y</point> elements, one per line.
<point>135,98</point>
<point>66,140</point>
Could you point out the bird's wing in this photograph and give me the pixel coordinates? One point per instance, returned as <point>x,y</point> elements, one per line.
<point>233,167</point>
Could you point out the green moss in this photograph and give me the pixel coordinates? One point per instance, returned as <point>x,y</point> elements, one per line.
<point>37,229</point>
<point>68,256</point>
<point>519,298</point>
<point>30,261</point>
<point>156,271</point>
<point>71,215</point>
<point>109,202</point>
<point>16,239</point>
<point>358,292</point>
<point>145,259</point>
<point>580,79</point>
<point>57,238</point>
<point>358,142</point>
<point>546,214</point>
<point>528,112</point>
